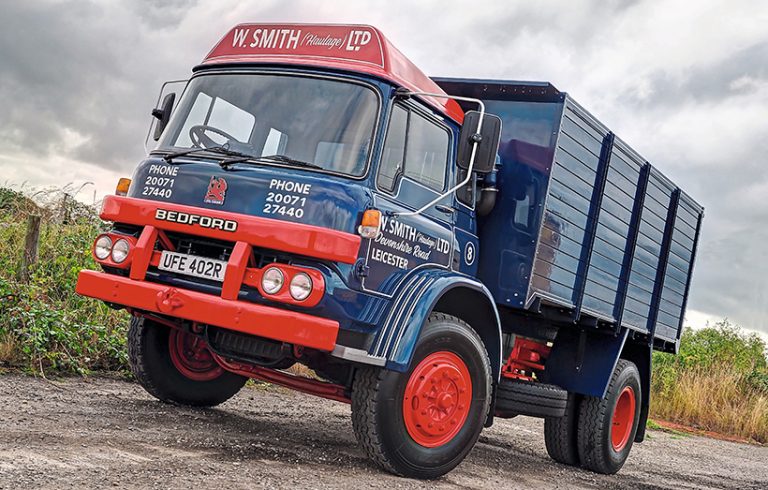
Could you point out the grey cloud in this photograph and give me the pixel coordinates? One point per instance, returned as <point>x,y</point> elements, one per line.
<point>706,82</point>
<point>162,14</point>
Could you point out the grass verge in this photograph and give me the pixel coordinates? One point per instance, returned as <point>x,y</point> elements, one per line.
<point>717,383</point>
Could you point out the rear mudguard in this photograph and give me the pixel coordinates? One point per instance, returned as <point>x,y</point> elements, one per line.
<point>418,295</point>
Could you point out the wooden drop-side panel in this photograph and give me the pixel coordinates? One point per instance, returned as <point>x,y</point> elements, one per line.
<point>613,253</point>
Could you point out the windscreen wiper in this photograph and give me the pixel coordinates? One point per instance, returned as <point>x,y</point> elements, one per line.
<point>289,161</point>
<point>223,150</point>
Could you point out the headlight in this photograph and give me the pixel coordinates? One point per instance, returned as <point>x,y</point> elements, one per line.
<point>272,280</point>
<point>102,247</point>
<point>301,286</point>
<point>120,250</point>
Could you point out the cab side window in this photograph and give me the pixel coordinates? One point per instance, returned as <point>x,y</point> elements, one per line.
<point>415,147</point>
<point>427,153</point>
<point>393,155</point>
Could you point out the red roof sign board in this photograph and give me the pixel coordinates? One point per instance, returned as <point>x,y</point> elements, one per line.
<point>356,48</point>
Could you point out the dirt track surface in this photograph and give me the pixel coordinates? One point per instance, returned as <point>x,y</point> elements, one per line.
<point>107,433</point>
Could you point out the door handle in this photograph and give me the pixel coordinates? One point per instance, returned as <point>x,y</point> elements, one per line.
<point>445,209</point>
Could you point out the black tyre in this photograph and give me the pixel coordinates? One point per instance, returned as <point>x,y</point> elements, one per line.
<point>176,367</point>
<point>535,399</point>
<point>560,434</point>
<point>423,423</point>
<point>607,426</point>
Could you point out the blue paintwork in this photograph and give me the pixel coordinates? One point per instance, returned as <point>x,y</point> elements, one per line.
<point>365,304</point>
<point>573,252</point>
<point>417,299</point>
<point>534,245</point>
<point>587,368</point>
<point>505,265</point>
<point>331,201</point>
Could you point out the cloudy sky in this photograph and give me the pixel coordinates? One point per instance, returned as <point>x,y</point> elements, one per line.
<point>685,83</point>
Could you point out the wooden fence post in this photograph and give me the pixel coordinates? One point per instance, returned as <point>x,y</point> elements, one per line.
<point>30,247</point>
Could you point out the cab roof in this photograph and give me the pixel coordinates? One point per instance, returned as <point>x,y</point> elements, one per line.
<point>356,48</point>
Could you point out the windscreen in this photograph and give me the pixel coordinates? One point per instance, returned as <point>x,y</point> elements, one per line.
<point>322,123</point>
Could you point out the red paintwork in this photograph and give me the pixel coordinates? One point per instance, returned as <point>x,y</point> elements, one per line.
<point>165,242</point>
<point>235,273</point>
<point>298,238</point>
<point>253,278</point>
<point>305,385</point>
<point>191,357</point>
<point>108,261</point>
<point>527,356</point>
<point>437,399</point>
<point>253,275</point>
<point>142,252</point>
<point>350,52</point>
<point>264,321</point>
<point>623,418</point>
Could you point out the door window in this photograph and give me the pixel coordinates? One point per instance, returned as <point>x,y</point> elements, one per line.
<point>415,147</point>
<point>427,153</point>
<point>393,155</point>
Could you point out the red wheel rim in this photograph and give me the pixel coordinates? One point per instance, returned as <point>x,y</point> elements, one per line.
<point>437,399</point>
<point>191,357</point>
<point>623,418</point>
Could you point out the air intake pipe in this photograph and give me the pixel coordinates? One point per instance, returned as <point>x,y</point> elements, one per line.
<point>487,199</point>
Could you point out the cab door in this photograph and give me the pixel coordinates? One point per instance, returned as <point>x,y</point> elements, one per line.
<point>413,170</point>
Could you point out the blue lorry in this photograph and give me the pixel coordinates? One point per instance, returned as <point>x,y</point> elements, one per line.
<point>440,252</point>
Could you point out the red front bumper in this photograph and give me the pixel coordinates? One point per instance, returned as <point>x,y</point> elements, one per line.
<point>254,319</point>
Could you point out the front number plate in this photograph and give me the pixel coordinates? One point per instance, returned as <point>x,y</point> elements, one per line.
<point>192,265</point>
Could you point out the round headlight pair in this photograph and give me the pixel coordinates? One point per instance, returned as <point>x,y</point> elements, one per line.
<point>104,248</point>
<point>273,279</point>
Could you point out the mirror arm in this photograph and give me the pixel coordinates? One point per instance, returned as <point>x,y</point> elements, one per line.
<point>476,138</point>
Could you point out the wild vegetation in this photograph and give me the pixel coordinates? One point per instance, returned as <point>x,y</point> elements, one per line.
<point>718,382</point>
<point>44,326</point>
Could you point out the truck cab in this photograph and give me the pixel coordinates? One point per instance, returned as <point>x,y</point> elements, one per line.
<point>314,198</point>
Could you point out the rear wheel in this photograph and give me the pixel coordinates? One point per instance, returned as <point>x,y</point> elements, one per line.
<point>176,367</point>
<point>607,426</point>
<point>560,434</point>
<point>423,423</point>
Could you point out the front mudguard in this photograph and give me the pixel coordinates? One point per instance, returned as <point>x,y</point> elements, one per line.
<point>428,290</point>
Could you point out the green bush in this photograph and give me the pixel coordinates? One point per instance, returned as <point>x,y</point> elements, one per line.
<point>718,382</point>
<point>44,325</point>
<point>723,346</point>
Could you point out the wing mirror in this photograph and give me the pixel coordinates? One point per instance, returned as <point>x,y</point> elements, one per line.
<point>163,115</point>
<point>487,142</point>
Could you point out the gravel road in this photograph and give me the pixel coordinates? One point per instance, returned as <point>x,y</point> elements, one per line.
<point>99,432</point>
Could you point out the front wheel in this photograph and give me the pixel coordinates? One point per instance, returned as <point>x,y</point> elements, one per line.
<point>423,423</point>
<point>607,426</point>
<point>176,367</point>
